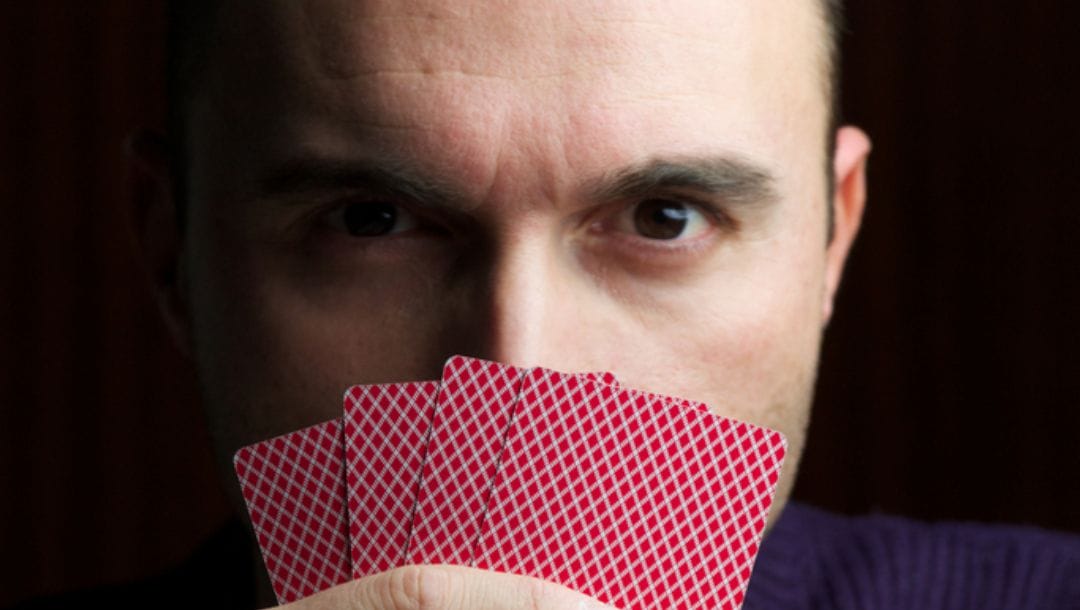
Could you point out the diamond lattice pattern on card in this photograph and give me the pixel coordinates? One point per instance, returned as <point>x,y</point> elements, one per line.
<point>467,431</point>
<point>294,487</point>
<point>635,501</point>
<point>385,433</point>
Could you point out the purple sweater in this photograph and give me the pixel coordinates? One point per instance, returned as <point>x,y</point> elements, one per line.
<point>814,559</point>
<point>811,559</point>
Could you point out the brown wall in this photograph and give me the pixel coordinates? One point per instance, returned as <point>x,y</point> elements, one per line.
<point>951,384</point>
<point>98,481</point>
<point>951,378</point>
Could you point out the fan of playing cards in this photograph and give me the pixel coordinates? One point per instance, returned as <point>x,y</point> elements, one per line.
<point>638,500</point>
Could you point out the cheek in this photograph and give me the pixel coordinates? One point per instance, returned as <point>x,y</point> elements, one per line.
<point>748,343</point>
<point>277,343</point>
<point>755,354</point>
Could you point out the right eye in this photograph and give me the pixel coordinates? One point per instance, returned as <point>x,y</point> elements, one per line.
<point>371,218</point>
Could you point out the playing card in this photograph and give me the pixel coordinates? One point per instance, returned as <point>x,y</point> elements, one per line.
<point>385,432</point>
<point>473,410</point>
<point>628,498</point>
<point>294,487</point>
<point>466,437</point>
<point>604,377</point>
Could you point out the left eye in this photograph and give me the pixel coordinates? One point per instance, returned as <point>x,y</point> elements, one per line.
<point>663,220</point>
<point>371,219</point>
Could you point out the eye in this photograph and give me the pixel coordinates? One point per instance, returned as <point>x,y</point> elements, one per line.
<point>371,218</point>
<point>663,220</point>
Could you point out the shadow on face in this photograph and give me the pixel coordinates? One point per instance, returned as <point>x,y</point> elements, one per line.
<point>602,186</point>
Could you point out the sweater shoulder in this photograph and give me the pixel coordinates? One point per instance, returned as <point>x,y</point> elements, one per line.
<point>880,561</point>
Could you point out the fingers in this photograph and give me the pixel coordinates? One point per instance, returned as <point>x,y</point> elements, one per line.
<point>447,587</point>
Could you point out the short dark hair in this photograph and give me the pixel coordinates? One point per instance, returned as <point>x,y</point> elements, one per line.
<point>834,29</point>
<point>192,31</point>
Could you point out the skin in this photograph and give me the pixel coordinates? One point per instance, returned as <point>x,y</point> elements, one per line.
<point>524,117</point>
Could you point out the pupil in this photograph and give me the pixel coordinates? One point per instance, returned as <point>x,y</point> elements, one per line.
<point>370,219</point>
<point>658,219</point>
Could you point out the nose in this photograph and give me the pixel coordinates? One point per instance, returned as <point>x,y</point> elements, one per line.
<point>526,308</point>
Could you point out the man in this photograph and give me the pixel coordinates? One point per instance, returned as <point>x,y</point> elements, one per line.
<point>357,190</point>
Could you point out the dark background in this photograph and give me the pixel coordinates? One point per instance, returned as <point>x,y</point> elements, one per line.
<point>950,387</point>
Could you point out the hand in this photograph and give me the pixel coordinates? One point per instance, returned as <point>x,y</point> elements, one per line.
<point>446,587</point>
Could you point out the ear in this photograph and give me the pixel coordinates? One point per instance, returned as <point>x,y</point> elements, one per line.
<point>158,234</point>
<point>849,200</point>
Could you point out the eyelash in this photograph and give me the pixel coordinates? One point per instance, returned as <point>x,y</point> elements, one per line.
<point>599,222</point>
<point>712,213</point>
<point>722,219</point>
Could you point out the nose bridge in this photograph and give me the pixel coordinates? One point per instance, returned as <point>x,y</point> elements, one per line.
<point>520,292</point>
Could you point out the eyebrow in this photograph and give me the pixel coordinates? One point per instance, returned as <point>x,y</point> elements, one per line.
<point>734,179</point>
<point>315,175</point>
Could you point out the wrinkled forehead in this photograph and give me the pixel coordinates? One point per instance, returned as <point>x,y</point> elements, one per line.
<point>596,82</point>
<point>534,39</point>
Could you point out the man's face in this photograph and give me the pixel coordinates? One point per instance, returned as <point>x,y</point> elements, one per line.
<point>635,187</point>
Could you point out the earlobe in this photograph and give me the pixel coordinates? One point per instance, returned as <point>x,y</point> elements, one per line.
<point>153,215</point>
<point>849,200</point>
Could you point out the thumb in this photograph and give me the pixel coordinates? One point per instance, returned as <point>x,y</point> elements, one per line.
<point>446,587</point>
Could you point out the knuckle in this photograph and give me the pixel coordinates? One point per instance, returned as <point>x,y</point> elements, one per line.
<point>538,594</point>
<point>405,588</point>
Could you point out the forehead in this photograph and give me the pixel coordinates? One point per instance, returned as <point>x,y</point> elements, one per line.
<point>525,39</point>
<point>530,39</point>
<point>629,76</point>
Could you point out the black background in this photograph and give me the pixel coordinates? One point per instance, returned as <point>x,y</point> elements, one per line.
<point>950,385</point>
